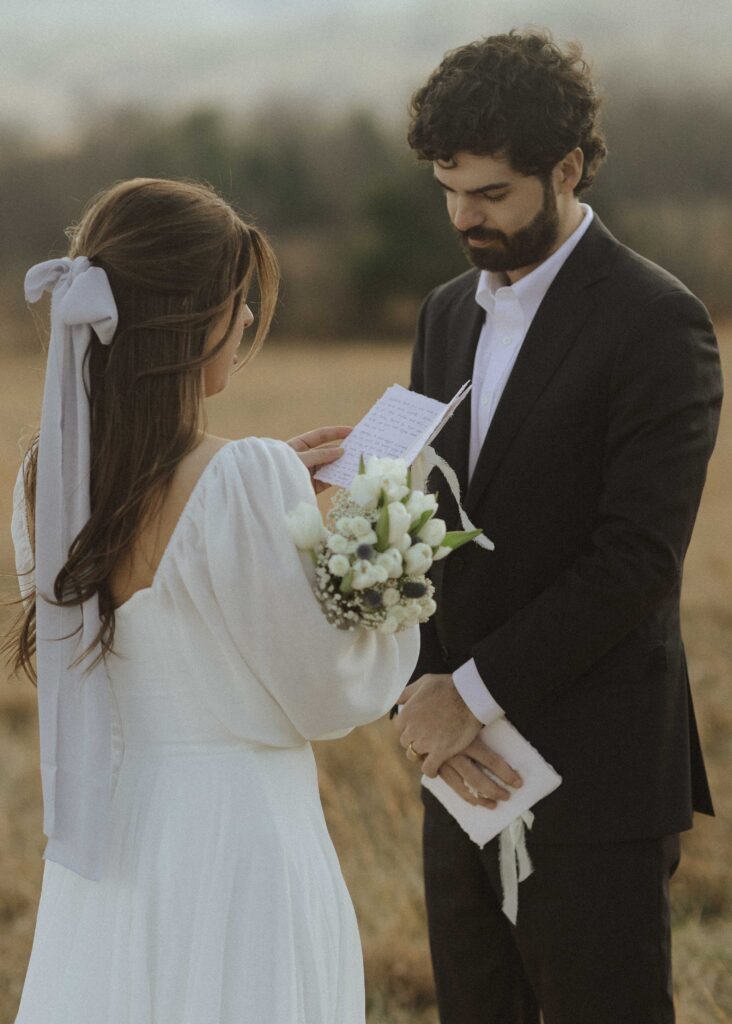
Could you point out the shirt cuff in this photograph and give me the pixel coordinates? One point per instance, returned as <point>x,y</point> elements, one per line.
<point>474,692</point>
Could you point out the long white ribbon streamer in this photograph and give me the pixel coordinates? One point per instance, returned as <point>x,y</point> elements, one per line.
<point>74,709</point>
<point>515,862</point>
<point>426,461</point>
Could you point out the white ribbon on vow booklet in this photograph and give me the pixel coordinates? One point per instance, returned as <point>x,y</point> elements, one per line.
<point>398,426</point>
<point>510,817</point>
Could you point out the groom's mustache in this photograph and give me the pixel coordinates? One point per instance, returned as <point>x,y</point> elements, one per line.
<point>482,235</point>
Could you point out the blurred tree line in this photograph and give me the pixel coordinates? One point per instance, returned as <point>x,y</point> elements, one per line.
<point>359,226</point>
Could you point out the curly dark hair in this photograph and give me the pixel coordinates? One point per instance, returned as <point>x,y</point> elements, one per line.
<point>518,96</point>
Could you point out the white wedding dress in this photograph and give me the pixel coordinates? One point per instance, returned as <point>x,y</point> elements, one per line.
<point>222,900</point>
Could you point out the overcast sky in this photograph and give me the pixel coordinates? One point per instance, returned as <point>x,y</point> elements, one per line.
<point>61,60</point>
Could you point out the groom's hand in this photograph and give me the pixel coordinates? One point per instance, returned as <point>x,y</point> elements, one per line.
<point>436,721</point>
<point>464,774</point>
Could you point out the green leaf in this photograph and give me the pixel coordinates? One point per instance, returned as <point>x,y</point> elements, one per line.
<point>409,479</point>
<point>456,538</point>
<point>425,517</point>
<point>313,557</point>
<point>361,466</point>
<point>345,587</point>
<point>382,529</point>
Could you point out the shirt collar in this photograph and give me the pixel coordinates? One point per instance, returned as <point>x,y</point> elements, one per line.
<point>530,290</point>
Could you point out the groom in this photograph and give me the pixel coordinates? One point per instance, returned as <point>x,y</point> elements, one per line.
<point>582,453</point>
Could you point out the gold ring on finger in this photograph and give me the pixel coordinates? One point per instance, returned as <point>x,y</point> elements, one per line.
<point>412,753</point>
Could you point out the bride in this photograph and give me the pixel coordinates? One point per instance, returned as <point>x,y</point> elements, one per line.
<point>184,664</point>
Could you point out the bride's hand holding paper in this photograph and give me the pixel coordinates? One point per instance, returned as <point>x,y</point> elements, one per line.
<point>319,448</point>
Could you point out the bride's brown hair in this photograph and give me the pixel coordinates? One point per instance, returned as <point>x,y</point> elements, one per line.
<point>177,257</point>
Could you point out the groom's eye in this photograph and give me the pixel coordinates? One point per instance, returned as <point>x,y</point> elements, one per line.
<point>492,198</point>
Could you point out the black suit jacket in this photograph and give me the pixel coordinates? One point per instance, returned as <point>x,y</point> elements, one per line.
<point>588,483</point>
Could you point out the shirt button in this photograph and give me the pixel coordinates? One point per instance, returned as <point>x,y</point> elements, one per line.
<point>506,340</point>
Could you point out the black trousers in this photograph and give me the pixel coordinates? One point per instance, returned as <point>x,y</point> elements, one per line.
<point>592,942</point>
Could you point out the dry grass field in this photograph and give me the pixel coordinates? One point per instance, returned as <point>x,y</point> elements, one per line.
<point>369,789</point>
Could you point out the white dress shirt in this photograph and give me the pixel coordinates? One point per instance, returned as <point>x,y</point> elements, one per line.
<point>509,310</point>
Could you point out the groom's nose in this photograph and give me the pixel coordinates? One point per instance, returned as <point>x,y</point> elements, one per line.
<point>466,214</point>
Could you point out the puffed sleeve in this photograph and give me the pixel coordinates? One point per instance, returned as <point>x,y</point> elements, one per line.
<point>24,560</point>
<point>326,680</point>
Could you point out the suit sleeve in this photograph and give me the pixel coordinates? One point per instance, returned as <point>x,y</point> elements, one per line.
<point>663,417</point>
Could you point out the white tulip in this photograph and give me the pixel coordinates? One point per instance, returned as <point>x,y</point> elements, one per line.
<point>399,520</point>
<point>433,532</point>
<point>337,543</point>
<point>379,574</point>
<point>441,553</point>
<point>404,544</point>
<point>387,470</point>
<point>305,526</point>
<point>418,559</point>
<point>429,607</point>
<point>389,625</point>
<point>394,491</point>
<point>392,561</point>
<point>418,503</point>
<point>343,525</point>
<point>365,491</point>
<point>338,565</point>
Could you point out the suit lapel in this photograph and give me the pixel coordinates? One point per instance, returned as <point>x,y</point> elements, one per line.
<point>462,333</point>
<point>553,331</point>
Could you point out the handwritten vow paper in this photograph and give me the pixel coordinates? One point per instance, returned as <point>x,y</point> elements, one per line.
<point>398,426</point>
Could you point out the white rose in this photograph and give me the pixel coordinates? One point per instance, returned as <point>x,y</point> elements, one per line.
<point>362,574</point>
<point>360,526</point>
<point>379,574</point>
<point>338,565</point>
<point>365,491</point>
<point>343,525</point>
<point>412,615</point>
<point>399,520</point>
<point>418,559</point>
<point>389,625</point>
<point>390,597</point>
<point>429,607</point>
<point>305,526</point>
<point>392,560</point>
<point>433,532</point>
<point>337,543</point>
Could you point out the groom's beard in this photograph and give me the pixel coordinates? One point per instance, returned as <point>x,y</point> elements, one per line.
<point>525,247</point>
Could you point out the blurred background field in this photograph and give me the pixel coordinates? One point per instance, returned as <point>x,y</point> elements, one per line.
<point>369,789</point>
<point>296,111</point>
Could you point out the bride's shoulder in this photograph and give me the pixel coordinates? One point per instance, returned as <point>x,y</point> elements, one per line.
<point>263,459</point>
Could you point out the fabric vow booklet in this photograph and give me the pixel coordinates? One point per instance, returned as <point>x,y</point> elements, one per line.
<point>398,426</point>
<point>481,823</point>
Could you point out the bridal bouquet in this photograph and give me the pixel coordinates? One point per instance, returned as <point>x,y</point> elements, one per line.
<point>380,540</point>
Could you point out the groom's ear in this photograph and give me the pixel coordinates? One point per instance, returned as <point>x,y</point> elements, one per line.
<point>568,172</point>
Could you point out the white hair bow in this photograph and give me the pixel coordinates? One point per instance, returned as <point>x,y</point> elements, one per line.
<point>74,704</point>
